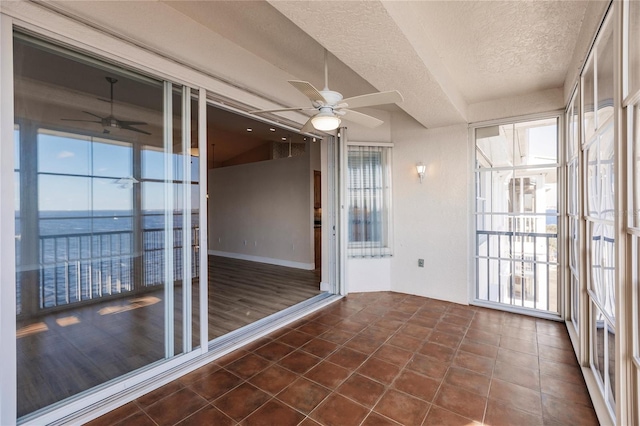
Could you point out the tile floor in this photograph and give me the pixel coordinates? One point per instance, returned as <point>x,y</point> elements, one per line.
<point>383,359</point>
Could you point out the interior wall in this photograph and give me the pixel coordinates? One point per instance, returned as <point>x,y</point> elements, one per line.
<point>431,219</point>
<point>262,212</point>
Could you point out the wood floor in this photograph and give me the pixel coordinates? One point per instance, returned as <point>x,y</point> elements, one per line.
<point>70,351</point>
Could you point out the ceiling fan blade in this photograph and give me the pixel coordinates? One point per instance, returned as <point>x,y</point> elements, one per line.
<point>308,127</point>
<point>84,121</point>
<point>90,113</point>
<point>380,98</point>
<point>360,118</point>
<point>308,90</point>
<point>133,129</point>
<point>131,123</point>
<point>259,111</point>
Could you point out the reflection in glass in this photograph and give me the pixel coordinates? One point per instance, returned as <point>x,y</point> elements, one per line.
<point>588,96</point>
<point>606,175</point>
<point>494,145</point>
<point>598,361</point>
<point>593,181</point>
<point>605,74</point>
<point>88,311</point>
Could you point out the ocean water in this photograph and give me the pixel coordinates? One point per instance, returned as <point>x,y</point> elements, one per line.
<point>86,255</point>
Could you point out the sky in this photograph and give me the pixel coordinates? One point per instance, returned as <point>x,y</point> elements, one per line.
<point>80,173</point>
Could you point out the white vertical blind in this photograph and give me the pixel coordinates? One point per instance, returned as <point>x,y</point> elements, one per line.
<point>369,195</point>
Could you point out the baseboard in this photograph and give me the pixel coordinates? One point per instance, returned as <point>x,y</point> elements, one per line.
<point>324,286</point>
<point>261,259</point>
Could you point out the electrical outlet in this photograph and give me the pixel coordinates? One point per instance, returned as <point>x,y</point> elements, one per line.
<point>420,263</point>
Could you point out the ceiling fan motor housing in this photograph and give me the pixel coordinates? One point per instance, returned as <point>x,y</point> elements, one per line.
<point>331,97</point>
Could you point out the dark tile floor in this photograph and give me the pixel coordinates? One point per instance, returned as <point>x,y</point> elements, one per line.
<point>383,359</point>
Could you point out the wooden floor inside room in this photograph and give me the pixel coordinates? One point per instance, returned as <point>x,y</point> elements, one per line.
<point>63,353</point>
<point>242,292</point>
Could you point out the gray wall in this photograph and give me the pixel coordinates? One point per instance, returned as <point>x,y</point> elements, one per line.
<point>268,205</point>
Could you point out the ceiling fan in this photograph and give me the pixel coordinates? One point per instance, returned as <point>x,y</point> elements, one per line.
<point>331,107</point>
<point>110,121</point>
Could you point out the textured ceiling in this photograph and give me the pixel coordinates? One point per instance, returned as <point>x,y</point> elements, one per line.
<point>496,49</point>
<point>445,57</point>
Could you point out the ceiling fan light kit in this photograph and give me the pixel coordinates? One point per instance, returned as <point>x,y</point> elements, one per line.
<point>330,105</point>
<point>325,121</point>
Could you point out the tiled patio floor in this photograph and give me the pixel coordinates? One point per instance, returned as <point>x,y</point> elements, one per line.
<point>383,359</point>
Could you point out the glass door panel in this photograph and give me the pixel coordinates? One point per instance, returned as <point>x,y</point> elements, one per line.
<point>517,215</point>
<point>101,235</point>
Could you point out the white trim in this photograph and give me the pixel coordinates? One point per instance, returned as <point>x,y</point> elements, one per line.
<point>378,144</point>
<point>262,259</point>
<point>8,372</point>
<point>168,221</point>
<point>342,213</point>
<point>187,238</point>
<point>204,221</point>
<point>325,286</point>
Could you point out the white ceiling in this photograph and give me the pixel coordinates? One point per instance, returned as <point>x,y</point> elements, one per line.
<point>443,56</point>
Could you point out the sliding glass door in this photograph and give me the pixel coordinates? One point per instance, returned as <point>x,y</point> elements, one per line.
<point>107,222</point>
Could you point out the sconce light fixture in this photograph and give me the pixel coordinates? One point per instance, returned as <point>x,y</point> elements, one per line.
<point>420,167</point>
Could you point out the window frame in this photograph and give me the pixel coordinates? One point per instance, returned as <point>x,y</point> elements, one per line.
<point>360,249</point>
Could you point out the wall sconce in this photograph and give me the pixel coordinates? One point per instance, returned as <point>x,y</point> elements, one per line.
<point>420,167</point>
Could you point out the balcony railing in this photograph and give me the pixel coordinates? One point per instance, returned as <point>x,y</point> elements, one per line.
<point>82,267</point>
<point>515,268</point>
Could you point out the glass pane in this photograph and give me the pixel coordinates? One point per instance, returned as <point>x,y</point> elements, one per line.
<point>494,191</point>
<point>59,193</point>
<point>608,262</point>
<point>634,46</point>
<point>535,191</point>
<point>85,316</point>
<point>598,330</point>
<point>588,102</point>
<point>605,75</point>
<point>572,188</point>
<point>593,182</point>
<point>573,121</point>
<point>494,146</point>
<point>574,246</point>
<point>112,159</point>
<point>536,143</point>
<point>60,154</point>
<point>606,175</point>
<point>610,352</point>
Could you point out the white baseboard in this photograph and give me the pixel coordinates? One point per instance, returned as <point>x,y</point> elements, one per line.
<point>261,259</point>
<point>324,286</point>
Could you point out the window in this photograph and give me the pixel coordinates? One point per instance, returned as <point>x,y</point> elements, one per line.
<point>516,213</point>
<point>369,193</point>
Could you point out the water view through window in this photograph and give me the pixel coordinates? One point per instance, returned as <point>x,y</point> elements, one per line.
<point>105,254</point>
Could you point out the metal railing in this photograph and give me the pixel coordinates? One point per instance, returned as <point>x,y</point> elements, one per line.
<point>515,267</point>
<point>81,267</point>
